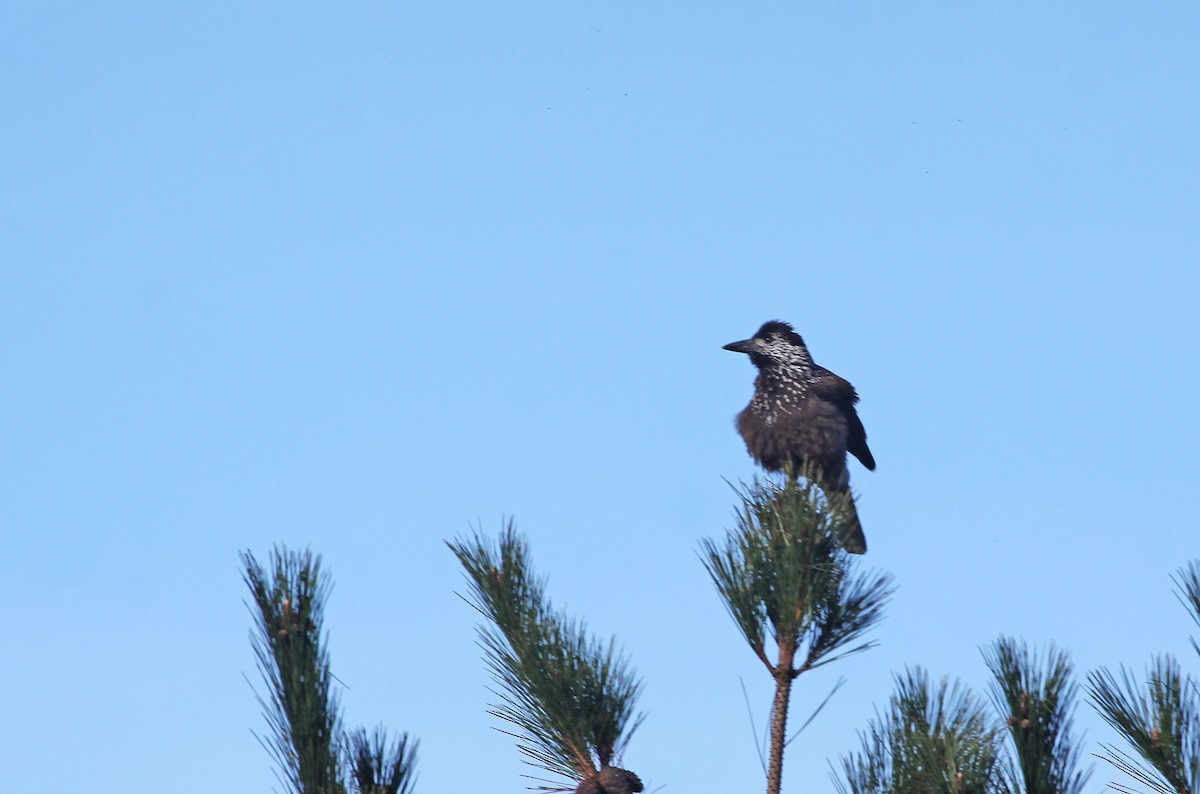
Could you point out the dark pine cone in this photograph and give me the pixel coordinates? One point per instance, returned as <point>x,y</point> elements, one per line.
<point>590,785</point>
<point>610,780</point>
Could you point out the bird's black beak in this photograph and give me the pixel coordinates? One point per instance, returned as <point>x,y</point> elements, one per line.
<point>745,346</point>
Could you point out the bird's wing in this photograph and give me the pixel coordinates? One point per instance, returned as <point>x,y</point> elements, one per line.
<point>856,440</point>
<point>839,392</point>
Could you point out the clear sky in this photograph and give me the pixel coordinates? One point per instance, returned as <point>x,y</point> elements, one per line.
<point>358,276</point>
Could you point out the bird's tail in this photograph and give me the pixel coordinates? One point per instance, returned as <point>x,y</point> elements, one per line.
<point>837,491</point>
<point>855,541</point>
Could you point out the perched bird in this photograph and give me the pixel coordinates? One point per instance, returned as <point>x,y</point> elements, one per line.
<point>802,416</point>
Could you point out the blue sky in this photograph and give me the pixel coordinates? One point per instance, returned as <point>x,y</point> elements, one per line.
<point>361,276</point>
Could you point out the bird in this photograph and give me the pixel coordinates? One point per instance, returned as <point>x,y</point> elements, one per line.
<point>802,417</point>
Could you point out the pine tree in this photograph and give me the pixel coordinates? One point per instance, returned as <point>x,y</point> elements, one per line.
<point>783,573</point>
<point>570,697</point>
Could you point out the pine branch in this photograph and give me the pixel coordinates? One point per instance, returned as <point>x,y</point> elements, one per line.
<point>931,741</point>
<point>379,767</point>
<point>571,698</point>
<point>301,707</point>
<point>1157,715</point>
<point>783,571</point>
<point>1131,767</point>
<point>1036,696</point>
<point>1187,582</point>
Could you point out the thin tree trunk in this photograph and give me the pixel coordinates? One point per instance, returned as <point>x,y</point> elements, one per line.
<point>779,715</point>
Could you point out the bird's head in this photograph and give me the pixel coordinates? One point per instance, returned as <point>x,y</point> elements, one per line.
<point>774,345</point>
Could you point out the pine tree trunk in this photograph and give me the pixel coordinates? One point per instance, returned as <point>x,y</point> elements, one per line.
<point>779,715</point>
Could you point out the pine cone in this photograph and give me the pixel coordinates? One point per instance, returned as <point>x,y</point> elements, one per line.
<point>619,781</point>
<point>590,785</point>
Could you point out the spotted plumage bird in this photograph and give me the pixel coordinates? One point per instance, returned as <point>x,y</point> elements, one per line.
<point>802,416</point>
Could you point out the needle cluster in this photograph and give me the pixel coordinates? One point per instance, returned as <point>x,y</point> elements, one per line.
<point>570,696</point>
<point>1036,697</point>
<point>301,705</point>
<point>783,572</point>
<point>1157,713</point>
<point>933,739</point>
